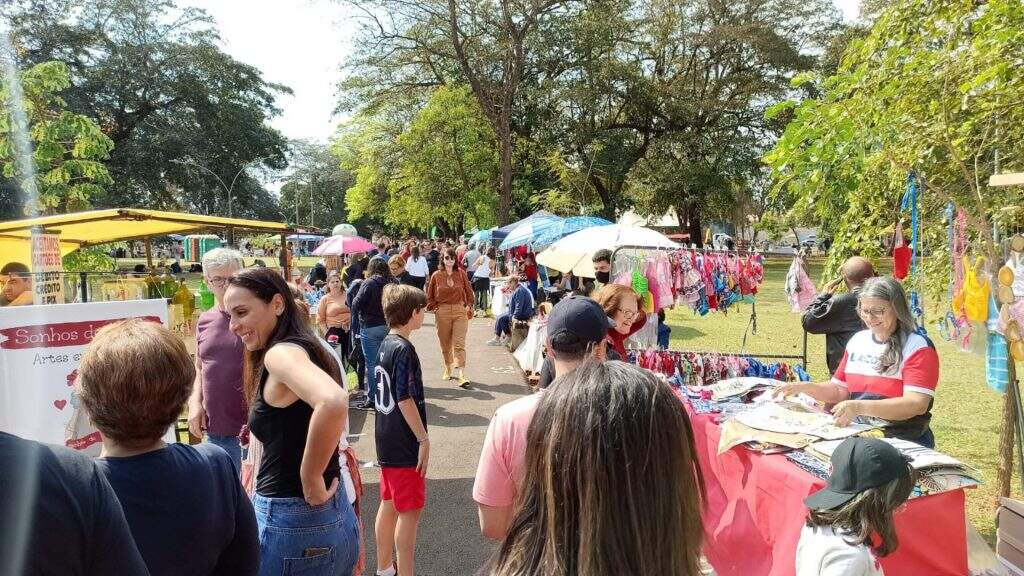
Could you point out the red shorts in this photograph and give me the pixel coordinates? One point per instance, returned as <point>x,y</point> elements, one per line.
<point>404,486</point>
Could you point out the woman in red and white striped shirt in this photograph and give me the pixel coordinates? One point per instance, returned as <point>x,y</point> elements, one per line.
<point>888,373</point>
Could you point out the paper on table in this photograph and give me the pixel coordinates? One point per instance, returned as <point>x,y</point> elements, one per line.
<point>735,433</point>
<point>733,387</point>
<point>775,418</point>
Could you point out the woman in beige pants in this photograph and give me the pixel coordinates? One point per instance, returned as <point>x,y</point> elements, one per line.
<point>450,297</point>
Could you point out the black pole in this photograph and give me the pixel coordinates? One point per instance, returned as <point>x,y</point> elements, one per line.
<point>84,279</point>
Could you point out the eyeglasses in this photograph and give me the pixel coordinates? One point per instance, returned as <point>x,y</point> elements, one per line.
<point>217,281</point>
<point>872,313</point>
<point>628,313</point>
<point>449,259</point>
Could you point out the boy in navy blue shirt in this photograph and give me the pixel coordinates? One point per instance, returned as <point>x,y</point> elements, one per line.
<point>403,447</point>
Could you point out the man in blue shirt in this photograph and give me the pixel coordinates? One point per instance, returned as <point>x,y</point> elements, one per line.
<point>520,309</point>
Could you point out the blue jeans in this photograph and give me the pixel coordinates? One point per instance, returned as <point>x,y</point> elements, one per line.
<point>503,326</point>
<point>372,338</point>
<point>296,538</point>
<point>230,445</point>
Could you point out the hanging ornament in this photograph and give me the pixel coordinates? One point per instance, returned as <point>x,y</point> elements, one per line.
<point>901,254</point>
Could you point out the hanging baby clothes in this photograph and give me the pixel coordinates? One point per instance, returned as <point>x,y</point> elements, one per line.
<point>901,254</point>
<point>799,288</point>
<point>976,293</point>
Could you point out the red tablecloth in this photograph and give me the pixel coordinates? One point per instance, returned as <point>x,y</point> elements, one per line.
<point>755,511</point>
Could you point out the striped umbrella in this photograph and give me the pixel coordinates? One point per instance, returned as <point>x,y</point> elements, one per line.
<point>556,232</point>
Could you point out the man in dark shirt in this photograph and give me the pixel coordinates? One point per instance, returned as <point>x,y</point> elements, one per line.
<point>836,316</point>
<point>354,270</point>
<point>59,516</point>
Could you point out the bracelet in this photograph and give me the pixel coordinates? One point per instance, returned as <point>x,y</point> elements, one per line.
<point>426,439</point>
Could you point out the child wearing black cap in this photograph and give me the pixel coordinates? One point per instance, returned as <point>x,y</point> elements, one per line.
<point>850,522</point>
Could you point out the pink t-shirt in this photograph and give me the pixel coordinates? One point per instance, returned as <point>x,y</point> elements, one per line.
<point>502,461</point>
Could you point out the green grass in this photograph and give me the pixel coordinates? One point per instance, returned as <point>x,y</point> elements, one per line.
<point>967,415</point>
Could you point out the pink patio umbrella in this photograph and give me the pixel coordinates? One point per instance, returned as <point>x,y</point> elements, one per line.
<point>338,245</point>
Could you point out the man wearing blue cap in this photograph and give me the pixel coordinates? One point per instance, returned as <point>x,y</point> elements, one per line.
<point>577,327</point>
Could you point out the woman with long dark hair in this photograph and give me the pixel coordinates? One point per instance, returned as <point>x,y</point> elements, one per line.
<point>373,329</point>
<point>603,427</point>
<point>299,410</point>
<point>450,298</point>
<point>485,266</point>
<point>418,268</point>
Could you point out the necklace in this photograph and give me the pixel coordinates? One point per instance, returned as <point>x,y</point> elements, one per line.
<point>448,279</point>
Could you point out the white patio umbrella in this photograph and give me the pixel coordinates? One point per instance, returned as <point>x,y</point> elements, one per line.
<point>574,252</point>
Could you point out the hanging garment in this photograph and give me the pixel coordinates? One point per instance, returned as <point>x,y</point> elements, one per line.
<point>996,357</point>
<point>799,288</point>
<point>976,293</point>
<point>901,254</point>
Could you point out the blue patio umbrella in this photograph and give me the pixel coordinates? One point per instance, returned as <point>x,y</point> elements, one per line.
<point>481,236</point>
<point>557,231</point>
<point>525,233</point>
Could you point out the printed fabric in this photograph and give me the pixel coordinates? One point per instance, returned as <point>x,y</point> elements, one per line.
<point>399,377</point>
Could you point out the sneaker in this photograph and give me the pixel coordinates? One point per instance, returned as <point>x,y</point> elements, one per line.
<point>364,405</point>
<point>447,374</point>
<point>495,342</point>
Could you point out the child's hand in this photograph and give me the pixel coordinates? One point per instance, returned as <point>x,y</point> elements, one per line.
<point>424,457</point>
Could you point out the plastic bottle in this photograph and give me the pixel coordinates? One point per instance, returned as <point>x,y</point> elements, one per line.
<point>205,297</point>
<point>183,297</point>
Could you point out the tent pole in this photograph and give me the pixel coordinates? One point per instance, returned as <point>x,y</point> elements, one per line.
<point>1007,435</point>
<point>149,251</point>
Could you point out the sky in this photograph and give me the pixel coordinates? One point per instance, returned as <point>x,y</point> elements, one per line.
<point>302,44</point>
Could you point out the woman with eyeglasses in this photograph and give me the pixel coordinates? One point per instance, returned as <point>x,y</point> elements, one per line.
<point>888,373</point>
<point>624,308</point>
<point>450,298</point>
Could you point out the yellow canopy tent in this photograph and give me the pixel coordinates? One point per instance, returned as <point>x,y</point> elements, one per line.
<point>82,229</point>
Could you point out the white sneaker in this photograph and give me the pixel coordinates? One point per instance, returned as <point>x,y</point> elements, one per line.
<point>494,342</point>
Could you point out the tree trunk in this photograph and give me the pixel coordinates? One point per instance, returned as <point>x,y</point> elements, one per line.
<point>1007,436</point>
<point>696,234</point>
<point>505,192</point>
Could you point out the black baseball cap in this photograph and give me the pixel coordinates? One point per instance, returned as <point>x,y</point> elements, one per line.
<point>579,317</point>
<point>857,465</point>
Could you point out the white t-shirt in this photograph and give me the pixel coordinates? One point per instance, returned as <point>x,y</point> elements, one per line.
<point>417,268</point>
<point>484,270</point>
<point>470,259</point>
<point>823,552</point>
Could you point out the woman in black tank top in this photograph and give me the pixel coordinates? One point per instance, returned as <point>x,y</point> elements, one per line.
<point>299,411</point>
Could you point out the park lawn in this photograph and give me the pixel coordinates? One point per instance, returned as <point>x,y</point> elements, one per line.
<point>967,413</point>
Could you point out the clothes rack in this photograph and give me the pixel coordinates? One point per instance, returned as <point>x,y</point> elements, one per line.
<point>644,250</point>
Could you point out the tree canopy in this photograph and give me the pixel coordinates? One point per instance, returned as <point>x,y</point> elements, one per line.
<point>67,150</point>
<point>934,88</point>
<point>155,80</point>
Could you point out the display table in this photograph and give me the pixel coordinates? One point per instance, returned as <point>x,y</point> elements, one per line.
<point>755,511</point>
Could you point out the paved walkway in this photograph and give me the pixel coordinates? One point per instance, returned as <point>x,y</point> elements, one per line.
<point>449,540</point>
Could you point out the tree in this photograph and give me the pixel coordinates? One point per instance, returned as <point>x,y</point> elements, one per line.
<point>439,169</point>
<point>934,89</point>
<point>162,90</point>
<point>485,45</point>
<point>65,171</point>
<point>314,190</point>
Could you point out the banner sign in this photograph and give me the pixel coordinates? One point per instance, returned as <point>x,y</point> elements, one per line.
<point>39,364</point>
<point>47,285</point>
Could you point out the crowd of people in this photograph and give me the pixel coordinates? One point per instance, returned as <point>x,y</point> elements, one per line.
<point>594,474</point>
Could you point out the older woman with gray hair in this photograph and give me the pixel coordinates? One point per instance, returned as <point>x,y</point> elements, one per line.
<point>888,373</point>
